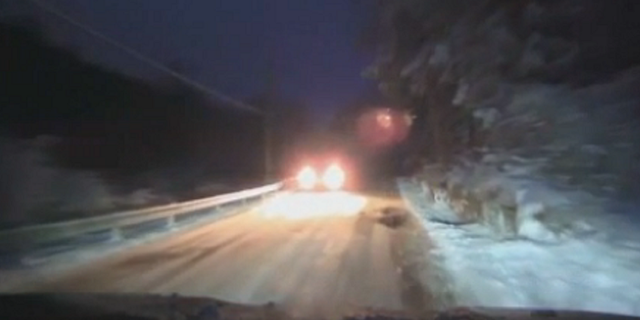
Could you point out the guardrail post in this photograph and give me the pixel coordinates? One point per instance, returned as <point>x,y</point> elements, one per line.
<point>263,198</point>
<point>171,222</point>
<point>116,234</point>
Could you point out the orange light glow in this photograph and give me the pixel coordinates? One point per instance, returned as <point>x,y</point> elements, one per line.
<point>384,119</point>
<point>307,178</point>
<point>380,128</point>
<point>334,177</point>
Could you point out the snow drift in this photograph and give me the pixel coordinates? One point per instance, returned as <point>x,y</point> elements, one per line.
<point>591,271</point>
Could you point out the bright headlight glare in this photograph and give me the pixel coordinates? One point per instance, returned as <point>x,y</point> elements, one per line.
<point>307,178</point>
<point>334,177</point>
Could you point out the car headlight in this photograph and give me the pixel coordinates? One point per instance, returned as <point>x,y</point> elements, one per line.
<point>307,178</point>
<point>333,177</point>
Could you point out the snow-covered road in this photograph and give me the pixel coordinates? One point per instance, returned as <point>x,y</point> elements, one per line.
<point>320,254</point>
<point>600,272</point>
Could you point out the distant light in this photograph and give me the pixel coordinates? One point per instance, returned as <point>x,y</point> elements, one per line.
<point>384,119</point>
<point>383,127</point>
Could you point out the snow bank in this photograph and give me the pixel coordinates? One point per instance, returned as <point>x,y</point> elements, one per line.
<point>33,190</point>
<point>594,271</point>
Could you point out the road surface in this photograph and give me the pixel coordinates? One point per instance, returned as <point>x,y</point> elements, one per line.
<point>310,253</point>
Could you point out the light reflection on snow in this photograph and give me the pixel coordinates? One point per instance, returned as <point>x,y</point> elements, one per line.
<point>303,205</point>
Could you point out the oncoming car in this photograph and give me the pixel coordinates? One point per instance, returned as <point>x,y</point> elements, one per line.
<point>332,177</point>
<point>321,173</point>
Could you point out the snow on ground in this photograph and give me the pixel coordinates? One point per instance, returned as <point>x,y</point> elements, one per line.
<point>600,272</point>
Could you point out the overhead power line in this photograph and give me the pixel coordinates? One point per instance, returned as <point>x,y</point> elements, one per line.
<point>217,94</point>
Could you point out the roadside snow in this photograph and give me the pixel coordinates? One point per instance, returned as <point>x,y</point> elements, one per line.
<point>598,272</point>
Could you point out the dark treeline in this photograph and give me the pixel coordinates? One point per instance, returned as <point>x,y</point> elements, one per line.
<point>552,82</point>
<point>120,126</point>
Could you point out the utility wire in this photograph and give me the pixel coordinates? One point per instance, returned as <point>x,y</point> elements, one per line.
<point>217,94</point>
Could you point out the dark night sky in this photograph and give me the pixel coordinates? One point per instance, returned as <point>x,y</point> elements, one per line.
<point>228,45</point>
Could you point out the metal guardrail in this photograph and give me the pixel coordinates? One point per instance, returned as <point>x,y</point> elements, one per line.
<point>32,236</point>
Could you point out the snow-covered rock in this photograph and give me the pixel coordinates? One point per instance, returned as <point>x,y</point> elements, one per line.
<point>533,229</point>
<point>444,209</point>
<point>516,200</point>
